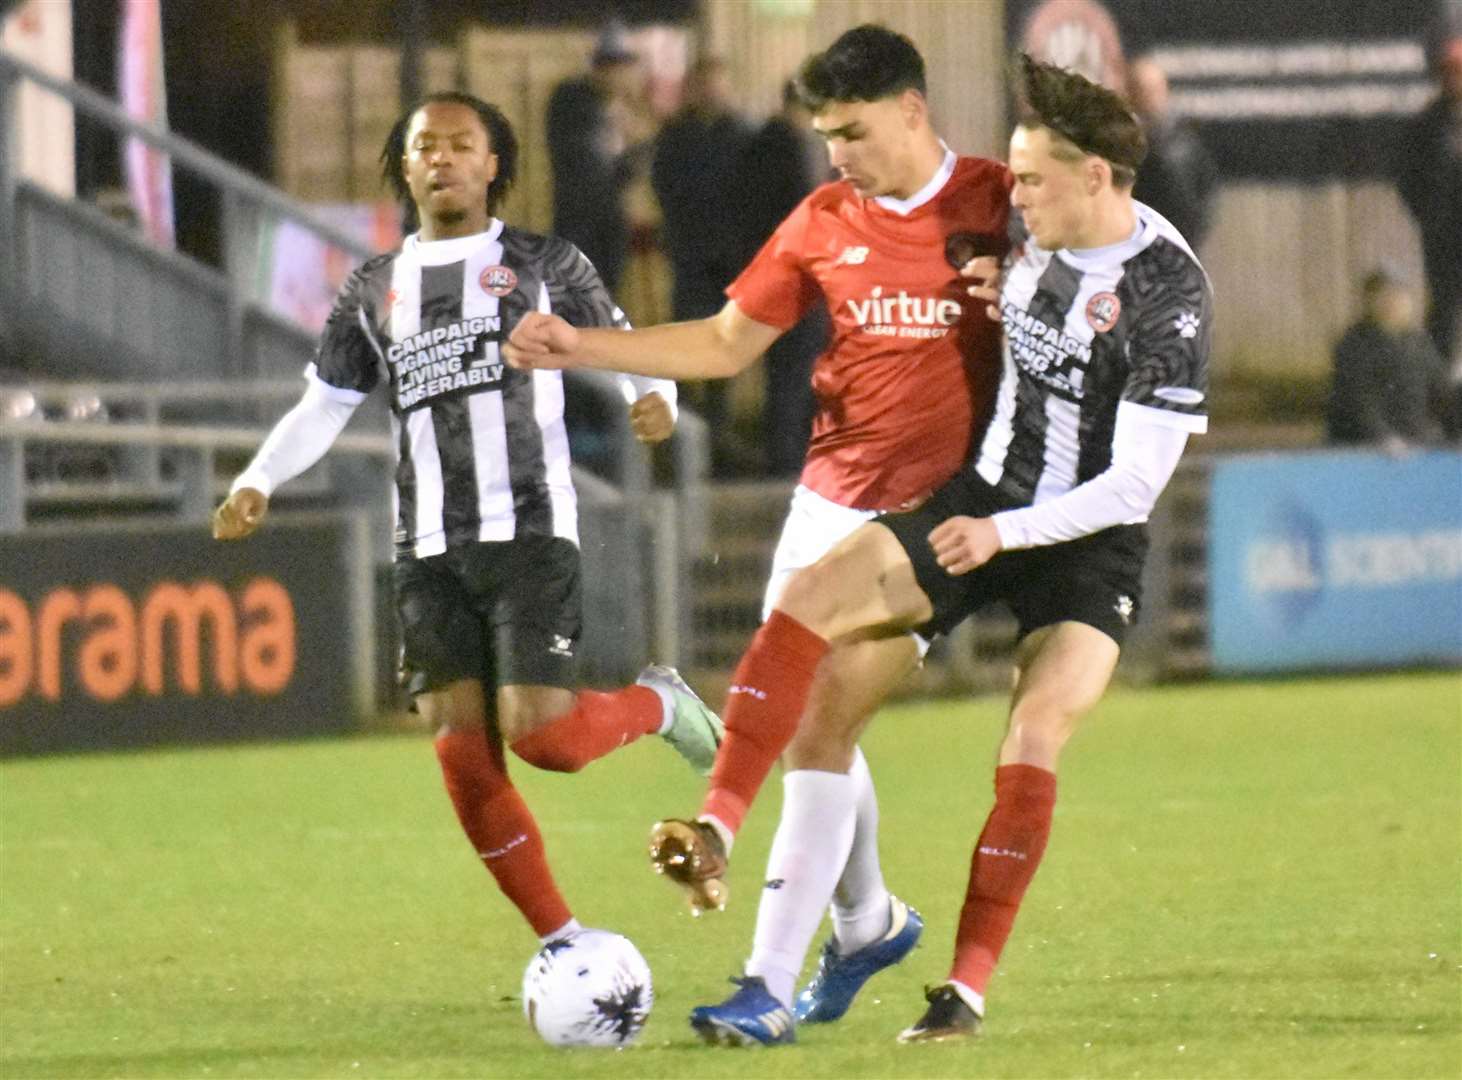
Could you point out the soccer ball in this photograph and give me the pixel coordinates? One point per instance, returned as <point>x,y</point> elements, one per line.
<point>591,988</point>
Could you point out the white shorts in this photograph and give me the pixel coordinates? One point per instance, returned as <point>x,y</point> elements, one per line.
<point>814,526</point>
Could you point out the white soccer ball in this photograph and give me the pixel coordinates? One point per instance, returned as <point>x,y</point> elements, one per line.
<point>590,989</point>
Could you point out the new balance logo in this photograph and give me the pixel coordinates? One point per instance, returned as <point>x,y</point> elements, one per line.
<point>852,256</point>
<point>760,695</point>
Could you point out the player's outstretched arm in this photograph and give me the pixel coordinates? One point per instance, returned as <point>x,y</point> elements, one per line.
<point>240,514</point>
<point>715,348</point>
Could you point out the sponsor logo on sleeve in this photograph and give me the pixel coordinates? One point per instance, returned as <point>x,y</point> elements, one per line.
<point>1179,395</point>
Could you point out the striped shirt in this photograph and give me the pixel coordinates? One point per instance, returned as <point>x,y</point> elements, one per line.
<point>483,453</point>
<point>1087,331</point>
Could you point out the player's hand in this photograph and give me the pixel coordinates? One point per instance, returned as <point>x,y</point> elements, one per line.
<point>541,341</point>
<point>651,418</point>
<point>240,514</point>
<point>963,543</point>
<point>984,271</point>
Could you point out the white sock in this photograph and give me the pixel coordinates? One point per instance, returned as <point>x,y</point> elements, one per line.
<point>808,851</point>
<point>860,907</point>
<point>667,706</point>
<point>567,929</point>
<point>970,998</point>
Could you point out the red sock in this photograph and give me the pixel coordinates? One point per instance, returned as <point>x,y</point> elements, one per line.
<point>500,826</point>
<point>768,693</point>
<point>1005,860</point>
<point>597,724</point>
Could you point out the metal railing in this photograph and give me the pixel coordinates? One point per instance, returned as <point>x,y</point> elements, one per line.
<point>251,343</point>
<point>185,359</point>
<point>633,568</point>
<point>240,192</point>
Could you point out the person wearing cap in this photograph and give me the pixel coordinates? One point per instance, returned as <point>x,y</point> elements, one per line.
<point>1389,384</point>
<point>590,153</point>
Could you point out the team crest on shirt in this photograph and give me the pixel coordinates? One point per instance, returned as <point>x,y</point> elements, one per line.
<point>498,281</point>
<point>1102,311</point>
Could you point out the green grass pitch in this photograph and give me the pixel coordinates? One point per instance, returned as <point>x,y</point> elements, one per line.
<point>1246,879</point>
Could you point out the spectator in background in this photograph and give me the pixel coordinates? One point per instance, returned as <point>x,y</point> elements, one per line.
<point>589,144</point>
<point>779,166</point>
<point>692,174</point>
<point>1389,384</point>
<point>1429,177</point>
<point>1178,176</point>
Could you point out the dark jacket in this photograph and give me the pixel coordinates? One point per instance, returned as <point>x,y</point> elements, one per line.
<point>1177,179</point>
<point>693,175</point>
<point>589,177</point>
<point>1385,385</point>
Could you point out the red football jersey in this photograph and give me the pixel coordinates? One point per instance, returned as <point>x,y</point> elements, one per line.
<point>913,362</point>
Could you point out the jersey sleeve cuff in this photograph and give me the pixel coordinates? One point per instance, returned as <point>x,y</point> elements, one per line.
<point>1007,524</point>
<point>1193,423</point>
<point>253,478</point>
<point>335,393</point>
<point>762,313</point>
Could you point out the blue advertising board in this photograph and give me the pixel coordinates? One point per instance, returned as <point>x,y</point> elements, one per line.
<point>1335,559</point>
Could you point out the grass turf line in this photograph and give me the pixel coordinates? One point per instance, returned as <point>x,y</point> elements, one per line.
<point>1244,880</point>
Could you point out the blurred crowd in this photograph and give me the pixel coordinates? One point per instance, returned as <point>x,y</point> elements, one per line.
<point>1397,380</point>
<point>707,186</point>
<point>721,185</point>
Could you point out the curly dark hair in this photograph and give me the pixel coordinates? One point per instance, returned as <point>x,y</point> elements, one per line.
<point>866,63</point>
<point>500,140</point>
<point>1084,113</point>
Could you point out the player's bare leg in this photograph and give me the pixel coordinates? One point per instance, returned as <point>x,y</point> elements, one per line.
<point>771,687</point>
<point>1061,673</point>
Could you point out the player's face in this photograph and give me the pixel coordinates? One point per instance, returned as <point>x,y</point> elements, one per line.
<point>1053,195</point>
<point>871,143</point>
<point>449,163</point>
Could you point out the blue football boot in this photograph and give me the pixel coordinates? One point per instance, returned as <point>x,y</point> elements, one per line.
<point>749,1017</point>
<point>839,978</point>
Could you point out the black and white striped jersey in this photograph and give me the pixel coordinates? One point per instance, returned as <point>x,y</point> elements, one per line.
<point>483,453</point>
<point>1085,332</point>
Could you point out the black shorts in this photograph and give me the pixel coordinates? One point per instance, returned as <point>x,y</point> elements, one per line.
<point>508,613</point>
<point>1096,580</point>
